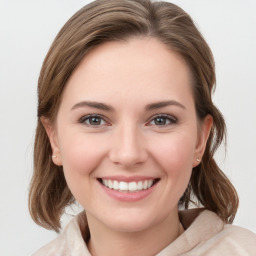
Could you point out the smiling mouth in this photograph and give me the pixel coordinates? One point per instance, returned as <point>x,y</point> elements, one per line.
<point>134,186</point>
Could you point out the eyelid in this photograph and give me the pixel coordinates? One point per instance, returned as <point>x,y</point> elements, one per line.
<point>85,117</point>
<point>172,119</point>
<point>82,120</point>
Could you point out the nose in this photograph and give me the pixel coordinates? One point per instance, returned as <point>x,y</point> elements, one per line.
<point>128,147</point>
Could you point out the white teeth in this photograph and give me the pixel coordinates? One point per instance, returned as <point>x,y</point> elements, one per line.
<point>127,186</point>
<point>150,183</point>
<point>110,184</point>
<point>145,184</point>
<point>115,185</point>
<point>132,186</point>
<point>139,185</point>
<point>123,185</point>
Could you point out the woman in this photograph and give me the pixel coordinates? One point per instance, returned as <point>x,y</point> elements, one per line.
<point>127,127</point>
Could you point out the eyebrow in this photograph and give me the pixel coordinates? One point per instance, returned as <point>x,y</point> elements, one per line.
<point>93,104</point>
<point>164,104</point>
<point>106,107</point>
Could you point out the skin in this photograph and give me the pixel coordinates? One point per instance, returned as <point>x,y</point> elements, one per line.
<point>128,140</point>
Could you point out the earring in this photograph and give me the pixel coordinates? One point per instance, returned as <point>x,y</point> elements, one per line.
<point>198,159</point>
<point>54,156</point>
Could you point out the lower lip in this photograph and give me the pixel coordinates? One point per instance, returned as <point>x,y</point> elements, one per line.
<point>128,196</point>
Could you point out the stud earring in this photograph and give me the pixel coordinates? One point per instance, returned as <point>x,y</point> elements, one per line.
<point>198,159</point>
<point>54,156</point>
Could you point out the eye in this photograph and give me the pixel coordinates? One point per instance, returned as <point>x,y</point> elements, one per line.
<point>163,120</point>
<point>93,120</point>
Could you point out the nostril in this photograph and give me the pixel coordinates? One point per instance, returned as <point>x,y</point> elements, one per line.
<point>127,147</point>
<point>128,157</point>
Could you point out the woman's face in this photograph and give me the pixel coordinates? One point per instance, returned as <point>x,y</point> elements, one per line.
<point>127,133</point>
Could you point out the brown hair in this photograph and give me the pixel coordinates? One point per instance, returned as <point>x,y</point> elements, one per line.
<point>108,20</point>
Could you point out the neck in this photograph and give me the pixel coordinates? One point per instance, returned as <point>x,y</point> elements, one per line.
<point>105,241</point>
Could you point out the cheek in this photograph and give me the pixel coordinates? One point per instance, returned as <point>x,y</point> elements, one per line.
<point>175,153</point>
<point>81,155</point>
<point>175,156</point>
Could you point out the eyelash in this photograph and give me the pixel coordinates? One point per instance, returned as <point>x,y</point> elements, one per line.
<point>86,118</point>
<point>166,118</point>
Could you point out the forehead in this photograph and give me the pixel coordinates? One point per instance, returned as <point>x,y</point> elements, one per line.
<point>142,65</point>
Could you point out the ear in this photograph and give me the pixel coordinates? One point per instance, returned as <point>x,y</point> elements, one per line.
<point>52,135</point>
<point>203,134</point>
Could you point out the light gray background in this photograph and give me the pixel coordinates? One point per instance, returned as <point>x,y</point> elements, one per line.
<point>27,29</point>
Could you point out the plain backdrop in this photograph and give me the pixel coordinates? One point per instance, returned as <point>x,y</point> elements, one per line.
<point>27,29</point>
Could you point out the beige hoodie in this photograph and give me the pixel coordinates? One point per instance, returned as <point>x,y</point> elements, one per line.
<point>205,235</point>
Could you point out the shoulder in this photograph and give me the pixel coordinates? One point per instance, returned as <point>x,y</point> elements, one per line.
<point>238,238</point>
<point>56,247</point>
<point>228,240</point>
<point>69,242</point>
<point>206,234</point>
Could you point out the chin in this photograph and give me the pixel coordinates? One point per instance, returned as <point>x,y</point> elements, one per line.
<point>132,222</point>
<point>130,226</point>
